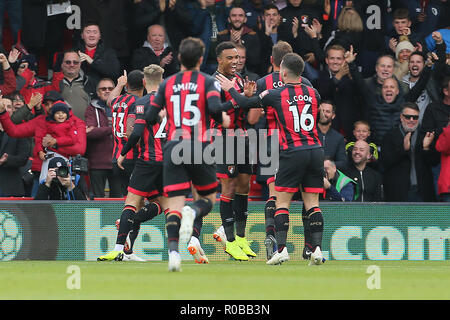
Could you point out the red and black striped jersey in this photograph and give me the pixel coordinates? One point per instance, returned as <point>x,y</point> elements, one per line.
<point>122,108</point>
<point>296,107</point>
<point>190,98</point>
<point>152,136</point>
<point>238,116</point>
<point>273,81</point>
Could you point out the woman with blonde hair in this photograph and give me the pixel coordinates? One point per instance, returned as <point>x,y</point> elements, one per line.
<point>349,30</point>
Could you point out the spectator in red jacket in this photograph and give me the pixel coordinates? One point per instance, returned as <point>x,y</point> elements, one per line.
<point>9,78</point>
<point>34,128</point>
<point>443,146</point>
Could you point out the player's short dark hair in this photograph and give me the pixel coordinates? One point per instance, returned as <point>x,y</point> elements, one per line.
<point>270,6</point>
<point>134,80</point>
<point>418,53</point>
<point>293,63</point>
<point>401,13</point>
<point>333,106</point>
<point>279,50</point>
<point>90,23</point>
<point>410,105</point>
<point>224,46</point>
<point>191,50</point>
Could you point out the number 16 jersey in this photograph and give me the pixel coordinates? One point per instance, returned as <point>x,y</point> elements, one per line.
<point>296,107</point>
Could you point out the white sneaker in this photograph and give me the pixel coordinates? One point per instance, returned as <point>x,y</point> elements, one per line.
<point>316,257</point>
<point>279,257</point>
<point>174,261</point>
<point>187,224</point>
<point>132,257</point>
<point>196,250</point>
<point>220,236</point>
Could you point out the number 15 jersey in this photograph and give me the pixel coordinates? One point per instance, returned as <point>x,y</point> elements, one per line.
<point>296,107</point>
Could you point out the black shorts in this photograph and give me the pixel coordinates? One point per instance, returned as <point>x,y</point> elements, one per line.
<point>238,162</point>
<point>147,179</point>
<point>302,167</point>
<point>179,176</point>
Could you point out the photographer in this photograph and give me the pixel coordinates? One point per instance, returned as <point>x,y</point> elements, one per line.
<point>337,186</point>
<point>60,184</point>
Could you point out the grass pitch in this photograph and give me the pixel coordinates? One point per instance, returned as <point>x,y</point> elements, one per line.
<point>224,280</point>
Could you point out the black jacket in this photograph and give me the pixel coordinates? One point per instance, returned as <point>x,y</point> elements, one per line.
<point>18,151</point>
<point>58,192</point>
<point>333,146</point>
<point>145,56</point>
<point>369,183</point>
<point>397,166</point>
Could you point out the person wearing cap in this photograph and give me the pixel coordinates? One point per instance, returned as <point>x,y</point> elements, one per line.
<point>35,128</point>
<point>403,51</point>
<point>29,83</point>
<point>60,183</point>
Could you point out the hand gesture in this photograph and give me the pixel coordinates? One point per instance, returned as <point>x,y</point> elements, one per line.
<point>51,174</point>
<point>427,140</point>
<point>35,99</point>
<point>310,31</point>
<point>350,56</point>
<point>85,57</point>
<point>172,4</point>
<point>3,158</point>
<point>2,105</point>
<point>89,128</point>
<point>48,141</point>
<point>235,36</point>
<point>431,58</point>
<point>437,37</point>
<point>122,81</point>
<point>120,161</point>
<point>327,7</point>
<point>4,61</point>
<point>407,141</point>
<point>343,71</point>
<point>295,27</point>
<point>317,26</point>
<point>326,183</point>
<point>269,26</point>
<point>226,120</point>
<point>225,83</point>
<point>228,3</point>
<point>162,5</point>
<point>418,47</point>
<point>393,44</point>
<point>13,55</point>
<point>309,57</point>
<point>421,17</point>
<point>249,87</point>
<point>406,31</point>
<point>166,60</point>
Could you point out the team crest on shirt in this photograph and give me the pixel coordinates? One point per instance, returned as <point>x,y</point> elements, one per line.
<point>139,109</point>
<point>231,169</point>
<point>304,19</point>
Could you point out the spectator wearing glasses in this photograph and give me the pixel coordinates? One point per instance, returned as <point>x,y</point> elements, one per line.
<point>76,87</point>
<point>24,112</point>
<point>407,175</point>
<point>100,143</point>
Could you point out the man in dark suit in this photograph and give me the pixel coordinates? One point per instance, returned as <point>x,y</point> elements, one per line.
<point>406,159</point>
<point>13,155</point>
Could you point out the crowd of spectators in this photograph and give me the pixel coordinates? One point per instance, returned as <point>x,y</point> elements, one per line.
<point>382,69</point>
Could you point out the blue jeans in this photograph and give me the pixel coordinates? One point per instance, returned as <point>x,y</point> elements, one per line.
<point>14,9</point>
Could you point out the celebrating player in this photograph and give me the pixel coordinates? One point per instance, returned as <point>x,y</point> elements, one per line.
<point>190,98</point>
<point>301,156</point>
<point>234,176</point>
<point>146,179</point>
<point>272,81</point>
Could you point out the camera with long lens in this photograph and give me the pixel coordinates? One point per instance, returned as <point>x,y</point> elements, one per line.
<point>62,171</point>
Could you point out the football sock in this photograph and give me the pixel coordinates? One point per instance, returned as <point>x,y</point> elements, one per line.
<point>198,223</point>
<point>281,218</point>
<point>126,223</point>
<point>269,211</point>
<point>202,207</point>
<point>148,212</point>
<point>306,231</point>
<point>227,216</point>
<point>240,208</point>
<point>173,222</point>
<point>315,219</point>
